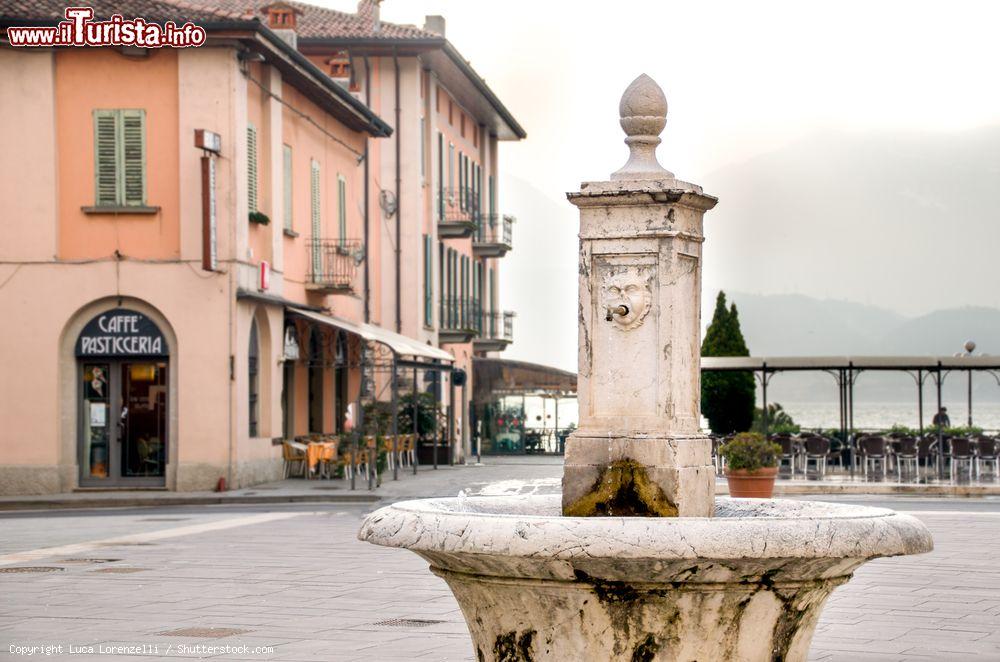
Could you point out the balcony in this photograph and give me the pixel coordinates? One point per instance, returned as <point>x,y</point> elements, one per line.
<point>456,214</point>
<point>493,235</point>
<point>459,321</point>
<point>496,331</point>
<point>333,265</point>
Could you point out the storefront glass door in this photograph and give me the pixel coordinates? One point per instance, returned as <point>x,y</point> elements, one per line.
<point>124,426</point>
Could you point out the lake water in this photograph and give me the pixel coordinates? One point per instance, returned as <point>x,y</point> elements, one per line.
<point>867,415</point>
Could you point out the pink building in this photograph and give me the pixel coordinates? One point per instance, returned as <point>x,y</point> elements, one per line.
<point>200,259</point>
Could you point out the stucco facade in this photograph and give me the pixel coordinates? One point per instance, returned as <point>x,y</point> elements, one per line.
<point>67,263</point>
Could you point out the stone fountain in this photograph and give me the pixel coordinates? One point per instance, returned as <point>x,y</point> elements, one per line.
<point>637,560</point>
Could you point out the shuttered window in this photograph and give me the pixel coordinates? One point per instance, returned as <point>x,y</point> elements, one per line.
<point>314,215</point>
<point>120,158</point>
<point>423,146</point>
<point>428,282</point>
<point>440,176</point>
<point>252,168</point>
<point>342,209</point>
<point>461,181</point>
<point>287,185</point>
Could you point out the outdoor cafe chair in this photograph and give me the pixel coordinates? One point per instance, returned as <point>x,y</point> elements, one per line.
<point>294,455</point>
<point>787,453</point>
<point>906,453</point>
<point>927,451</point>
<point>986,453</point>
<point>874,450</point>
<point>717,460</point>
<point>817,449</point>
<point>409,455</point>
<point>961,452</point>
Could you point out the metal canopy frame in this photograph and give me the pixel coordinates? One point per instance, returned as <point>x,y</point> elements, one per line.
<point>371,352</point>
<point>845,371</point>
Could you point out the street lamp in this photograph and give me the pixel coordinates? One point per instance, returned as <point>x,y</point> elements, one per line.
<point>970,347</point>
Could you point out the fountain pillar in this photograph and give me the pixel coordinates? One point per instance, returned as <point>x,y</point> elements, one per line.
<point>638,450</point>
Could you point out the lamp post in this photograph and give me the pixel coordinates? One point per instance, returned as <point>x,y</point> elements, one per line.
<point>970,347</point>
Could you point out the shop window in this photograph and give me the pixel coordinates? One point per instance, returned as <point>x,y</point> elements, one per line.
<point>120,158</point>
<point>253,370</point>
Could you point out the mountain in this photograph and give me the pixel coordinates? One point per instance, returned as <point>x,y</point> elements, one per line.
<point>796,325</point>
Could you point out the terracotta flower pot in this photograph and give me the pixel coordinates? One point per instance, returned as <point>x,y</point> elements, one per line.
<point>758,484</point>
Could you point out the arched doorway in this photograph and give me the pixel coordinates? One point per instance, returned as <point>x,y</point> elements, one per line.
<point>122,370</point>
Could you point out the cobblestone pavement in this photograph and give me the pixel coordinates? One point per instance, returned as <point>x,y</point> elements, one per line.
<point>291,582</point>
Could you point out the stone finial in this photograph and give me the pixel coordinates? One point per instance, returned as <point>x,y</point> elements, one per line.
<point>643,112</point>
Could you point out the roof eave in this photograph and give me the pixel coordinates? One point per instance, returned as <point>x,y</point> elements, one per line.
<point>365,119</point>
<point>485,90</point>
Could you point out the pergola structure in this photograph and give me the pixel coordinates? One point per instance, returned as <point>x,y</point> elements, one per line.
<point>496,378</point>
<point>845,370</point>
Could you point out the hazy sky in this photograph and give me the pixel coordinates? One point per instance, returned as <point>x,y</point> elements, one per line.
<point>741,79</point>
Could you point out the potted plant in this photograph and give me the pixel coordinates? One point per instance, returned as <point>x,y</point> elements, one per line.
<point>751,465</point>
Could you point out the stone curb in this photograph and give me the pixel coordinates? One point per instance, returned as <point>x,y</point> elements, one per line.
<point>971,491</point>
<point>143,502</point>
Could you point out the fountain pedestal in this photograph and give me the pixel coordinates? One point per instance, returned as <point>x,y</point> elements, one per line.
<point>637,560</point>
<point>638,450</point>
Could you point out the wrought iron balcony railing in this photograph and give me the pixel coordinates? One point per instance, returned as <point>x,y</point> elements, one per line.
<point>495,331</point>
<point>459,320</point>
<point>333,264</point>
<point>457,213</point>
<point>496,325</point>
<point>494,234</point>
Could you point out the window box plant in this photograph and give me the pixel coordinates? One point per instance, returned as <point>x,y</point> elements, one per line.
<point>751,465</point>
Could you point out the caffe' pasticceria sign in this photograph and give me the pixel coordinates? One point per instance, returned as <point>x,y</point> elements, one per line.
<point>121,333</point>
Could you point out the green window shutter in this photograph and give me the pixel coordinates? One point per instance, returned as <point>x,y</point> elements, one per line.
<point>461,181</point>
<point>440,176</point>
<point>287,186</point>
<point>133,158</point>
<point>315,218</point>
<point>342,208</point>
<point>106,158</point>
<point>423,148</point>
<point>428,282</point>
<point>252,167</point>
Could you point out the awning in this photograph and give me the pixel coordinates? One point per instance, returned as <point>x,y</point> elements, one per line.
<point>399,344</point>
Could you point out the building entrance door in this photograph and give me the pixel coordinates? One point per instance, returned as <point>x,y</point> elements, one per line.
<point>123,405</point>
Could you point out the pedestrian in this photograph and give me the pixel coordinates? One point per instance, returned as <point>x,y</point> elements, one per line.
<point>941,419</point>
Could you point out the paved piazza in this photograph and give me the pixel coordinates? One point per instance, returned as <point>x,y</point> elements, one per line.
<point>291,582</point>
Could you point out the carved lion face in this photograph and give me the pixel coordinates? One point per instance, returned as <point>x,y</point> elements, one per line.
<point>629,288</point>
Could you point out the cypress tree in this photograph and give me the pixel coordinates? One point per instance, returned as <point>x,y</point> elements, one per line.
<point>727,398</point>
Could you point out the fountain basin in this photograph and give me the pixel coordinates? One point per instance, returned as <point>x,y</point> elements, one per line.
<point>746,584</point>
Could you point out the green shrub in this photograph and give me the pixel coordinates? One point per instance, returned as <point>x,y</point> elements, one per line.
<point>778,420</point>
<point>750,451</point>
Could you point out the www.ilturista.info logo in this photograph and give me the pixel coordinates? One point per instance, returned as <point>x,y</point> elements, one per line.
<point>79,29</point>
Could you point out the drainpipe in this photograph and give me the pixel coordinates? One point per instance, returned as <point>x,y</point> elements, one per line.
<point>368,102</point>
<point>399,206</point>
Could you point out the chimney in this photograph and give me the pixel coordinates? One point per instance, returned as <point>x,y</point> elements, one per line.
<point>282,20</point>
<point>369,12</point>
<point>434,24</point>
